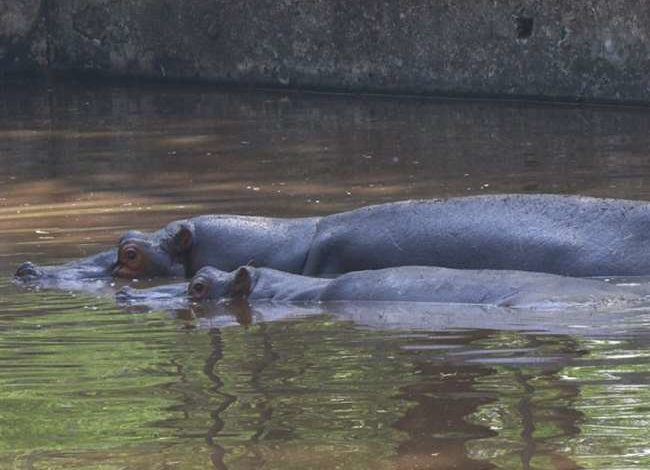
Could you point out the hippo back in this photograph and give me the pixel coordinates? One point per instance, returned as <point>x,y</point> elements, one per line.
<point>229,241</point>
<point>493,287</point>
<point>569,235</point>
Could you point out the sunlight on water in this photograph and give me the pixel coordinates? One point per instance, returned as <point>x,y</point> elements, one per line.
<point>84,384</point>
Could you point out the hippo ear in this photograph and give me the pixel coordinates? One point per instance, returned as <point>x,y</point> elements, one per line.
<point>242,284</point>
<point>183,238</point>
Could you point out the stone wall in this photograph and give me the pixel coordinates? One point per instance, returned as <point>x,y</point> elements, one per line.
<point>589,49</point>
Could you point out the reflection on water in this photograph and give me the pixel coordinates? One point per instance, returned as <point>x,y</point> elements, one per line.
<point>84,384</point>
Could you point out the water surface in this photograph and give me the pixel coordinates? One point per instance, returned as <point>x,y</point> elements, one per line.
<point>85,384</point>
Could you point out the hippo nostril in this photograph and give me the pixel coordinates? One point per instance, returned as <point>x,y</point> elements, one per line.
<point>28,270</point>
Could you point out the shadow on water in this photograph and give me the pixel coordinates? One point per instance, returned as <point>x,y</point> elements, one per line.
<point>86,385</point>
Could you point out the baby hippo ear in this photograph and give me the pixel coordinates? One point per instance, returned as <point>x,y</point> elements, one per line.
<point>182,240</point>
<point>242,284</point>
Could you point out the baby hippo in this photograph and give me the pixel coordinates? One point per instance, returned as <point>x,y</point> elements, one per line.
<point>517,289</point>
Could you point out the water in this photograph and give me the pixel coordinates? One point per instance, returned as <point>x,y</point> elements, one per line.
<point>84,384</point>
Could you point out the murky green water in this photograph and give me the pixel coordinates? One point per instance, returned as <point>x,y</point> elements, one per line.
<point>84,384</point>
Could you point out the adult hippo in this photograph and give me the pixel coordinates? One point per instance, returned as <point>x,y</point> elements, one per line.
<point>516,289</point>
<point>570,235</point>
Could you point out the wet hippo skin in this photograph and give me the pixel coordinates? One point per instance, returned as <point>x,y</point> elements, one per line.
<point>505,288</point>
<point>570,235</point>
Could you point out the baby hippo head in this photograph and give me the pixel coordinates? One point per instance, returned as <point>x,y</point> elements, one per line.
<point>211,283</point>
<point>161,253</point>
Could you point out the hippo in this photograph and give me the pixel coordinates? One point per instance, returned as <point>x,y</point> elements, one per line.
<point>568,235</point>
<point>512,289</point>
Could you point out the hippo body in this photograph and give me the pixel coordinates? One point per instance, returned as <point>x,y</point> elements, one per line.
<point>516,289</point>
<point>504,288</point>
<point>576,236</point>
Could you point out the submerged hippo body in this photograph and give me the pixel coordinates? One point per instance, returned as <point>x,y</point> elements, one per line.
<point>576,236</point>
<point>516,289</point>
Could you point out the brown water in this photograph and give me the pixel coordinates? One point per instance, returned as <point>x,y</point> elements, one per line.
<point>84,384</point>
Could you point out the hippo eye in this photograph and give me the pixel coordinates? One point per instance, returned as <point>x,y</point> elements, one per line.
<point>132,261</point>
<point>131,254</point>
<point>199,290</point>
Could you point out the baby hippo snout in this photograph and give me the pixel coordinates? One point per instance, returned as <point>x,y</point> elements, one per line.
<point>166,293</point>
<point>28,271</point>
<point>127,294</point>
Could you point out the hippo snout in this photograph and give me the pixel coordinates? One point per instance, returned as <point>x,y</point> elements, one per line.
<point>28,271</point>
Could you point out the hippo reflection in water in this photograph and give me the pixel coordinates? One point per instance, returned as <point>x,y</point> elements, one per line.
<point>569,235</point>
<point>515,289</point>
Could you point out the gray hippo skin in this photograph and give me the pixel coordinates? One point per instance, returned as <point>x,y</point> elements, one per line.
<point>517,289</point>
<point>576,236</point>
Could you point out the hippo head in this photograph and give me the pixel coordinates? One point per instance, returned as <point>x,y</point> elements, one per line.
<point>211,283</point>
<point>162,253</point>
<point>78,273</point>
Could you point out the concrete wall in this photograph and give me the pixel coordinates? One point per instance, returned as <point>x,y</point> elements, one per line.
<point>589,49</point>
<point>23,44</point>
